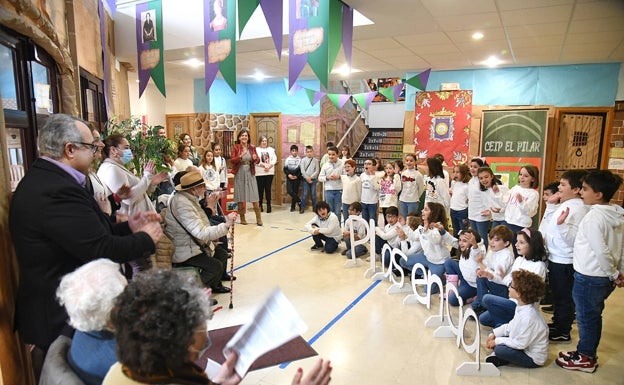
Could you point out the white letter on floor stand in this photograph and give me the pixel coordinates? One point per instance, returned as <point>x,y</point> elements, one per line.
<point>355,261</point>
<point>373,266</point>
<point>435,320</point>
<point>475,368</point>
<point>417,297</point>
<point>385,272</point>
<point>398,286</point>
<point>450,330</point>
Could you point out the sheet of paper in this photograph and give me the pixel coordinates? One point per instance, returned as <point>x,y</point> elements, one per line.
<point>307,134</point>
<point>292,135</point>
<point>275,323</point>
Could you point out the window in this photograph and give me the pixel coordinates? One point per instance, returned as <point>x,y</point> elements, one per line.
<point>28,85</point>
<point>93,103</point>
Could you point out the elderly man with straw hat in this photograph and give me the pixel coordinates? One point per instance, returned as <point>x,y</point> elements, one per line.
<point>192,233</point>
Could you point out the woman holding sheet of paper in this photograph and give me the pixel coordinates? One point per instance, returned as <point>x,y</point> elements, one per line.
<point>160,325</point>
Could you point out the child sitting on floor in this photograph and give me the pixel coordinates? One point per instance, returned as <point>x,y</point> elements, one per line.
<point>388,234</point>
<point>324,227</point>
<point>497,262</point>
<point>524,340</point>
<point>358,229</point>
<point>465,270</point>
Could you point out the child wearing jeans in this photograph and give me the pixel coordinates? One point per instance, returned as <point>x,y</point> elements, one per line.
<point>309,173</point>
<point>292,171</point>
<point>332,184</point>
<point>524,340</point>
<point>471,248</point>
<point>496,263</point>
<point>412,183</point>
<point>598,267</point>
<point>388,234</point>
<point>324,227</point>
<point>358,229</point>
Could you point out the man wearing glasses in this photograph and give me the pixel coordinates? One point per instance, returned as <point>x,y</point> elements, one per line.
<point>56,225</point>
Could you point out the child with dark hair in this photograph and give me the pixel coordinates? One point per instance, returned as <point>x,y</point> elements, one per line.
<point>324,227</point>
<point>530,246</point>
<point>560,230</point>
<point>476,203</point>
<point>523,200</point>
<point>292,170</point>
<point>388,234</point>
<point>332,183</point>
<point>351,186</point>
<point>598,266</point>
<point>370,191</point>
<point>465,270</point>
<point>497,262</point>
<point>459,198</point>
<point>493,192</point>
<point>436,187</point>
<point>524,340</point>
<point>434,239</point>
<point>309,173</point>
<point>550,196</point>
<point>359,232</point>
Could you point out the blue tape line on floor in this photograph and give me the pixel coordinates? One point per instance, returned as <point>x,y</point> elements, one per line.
<point>337,318</point>
<point>272,252</point>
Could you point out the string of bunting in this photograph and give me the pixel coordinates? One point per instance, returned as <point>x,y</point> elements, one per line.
<point>364,99</point>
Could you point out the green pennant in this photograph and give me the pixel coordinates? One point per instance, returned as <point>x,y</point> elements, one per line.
<point>228,65</point>
<point>318,59</point>
<point>335,31</point>
<point>310,94</point>
<point>246,8</point>
<point>414,81</point>
<point>335,99</point>
<point>361,100</point>
<point>158,73</point>
<point>388,93</point>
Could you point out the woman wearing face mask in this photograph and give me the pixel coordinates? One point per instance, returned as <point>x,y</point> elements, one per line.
<point>117,153</point>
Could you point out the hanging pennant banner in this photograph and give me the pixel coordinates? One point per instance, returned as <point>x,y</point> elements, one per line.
<point>149,35</point>
<point>246,8</point>
<point>365,99</point>
<point>419,81</point>
<point>338,100</point>
<point>274,14</point>
<point>220,41</point>
<point>347,33</point>
<point>313,95</point>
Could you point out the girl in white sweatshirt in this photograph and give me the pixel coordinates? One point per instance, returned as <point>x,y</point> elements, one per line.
<point>530,246</point>
<point>471,248</point>
<point>434,239</point>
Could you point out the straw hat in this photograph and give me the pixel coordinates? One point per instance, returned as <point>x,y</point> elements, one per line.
<point>190,180</point>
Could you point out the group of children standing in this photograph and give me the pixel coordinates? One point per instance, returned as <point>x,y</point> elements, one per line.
<point>503,271</point>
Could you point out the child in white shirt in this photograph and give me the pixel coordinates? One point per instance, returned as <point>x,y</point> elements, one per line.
<point>471,248</point>
<point>370,191</point>
<point>388,234</point>
<point>220,164</point>
<point>459,198</point>
<point>351,186</point>
<point>332,183</point>
<point>497,262</point>
<point>436,187</point>
<point>524,340</point>
<point>412,183</point>
<point>389,189</point>
<point>324,227</point>
<point>359,232</point>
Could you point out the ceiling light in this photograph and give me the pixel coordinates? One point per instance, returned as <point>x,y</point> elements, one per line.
<point>477,36</point>
<point>193,62</point>
<point>344,70</point>
<point>259,76</point>
<point>492,61</point>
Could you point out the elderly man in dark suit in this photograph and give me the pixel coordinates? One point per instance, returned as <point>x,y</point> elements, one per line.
<point>56,225</point>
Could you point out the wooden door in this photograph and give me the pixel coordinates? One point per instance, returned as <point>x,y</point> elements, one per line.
<point>579,140</point>
<point>269,125</point>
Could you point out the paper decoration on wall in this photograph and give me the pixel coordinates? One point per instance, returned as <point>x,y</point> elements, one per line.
<point>316,33</point>
<point>442,125</point>
<point>149,35</point>
<point>273,14</point>
<point>220,41</point>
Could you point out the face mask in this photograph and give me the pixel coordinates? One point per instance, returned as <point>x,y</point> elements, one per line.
<point>126,156</point>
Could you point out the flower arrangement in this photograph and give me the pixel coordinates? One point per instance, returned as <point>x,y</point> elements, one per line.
<point>145,143</point>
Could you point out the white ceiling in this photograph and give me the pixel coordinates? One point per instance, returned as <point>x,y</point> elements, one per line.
<point>410,36</point>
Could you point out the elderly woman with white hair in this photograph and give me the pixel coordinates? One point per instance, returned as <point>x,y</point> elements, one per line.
<point>89,294</point>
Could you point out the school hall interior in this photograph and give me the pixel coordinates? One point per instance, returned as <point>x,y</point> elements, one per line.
<point>562,58</point>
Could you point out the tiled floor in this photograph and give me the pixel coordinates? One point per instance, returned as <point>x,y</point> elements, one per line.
<point>370,336</point>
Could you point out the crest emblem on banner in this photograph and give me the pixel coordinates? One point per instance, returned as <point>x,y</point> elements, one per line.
<point>442,125</point>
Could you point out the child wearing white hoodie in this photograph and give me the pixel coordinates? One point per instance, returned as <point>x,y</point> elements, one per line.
<point>598,268</point>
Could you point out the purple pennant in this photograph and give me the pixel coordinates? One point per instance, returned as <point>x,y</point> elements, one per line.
<point>397,90</point>
<point>274,13</point>
<point>295,62</point>
<point>318,95</point>
<point>347,33</point>
<point>342,99</point>
<point>144,75</point>
<point>210,70</point>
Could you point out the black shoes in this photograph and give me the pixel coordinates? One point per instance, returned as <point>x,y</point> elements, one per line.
<point>213,302</point>
<point>269,208</point>
<point>226,277</point>
<point>492,359</point>
<point>316,247</point>
<point>221,289</point>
